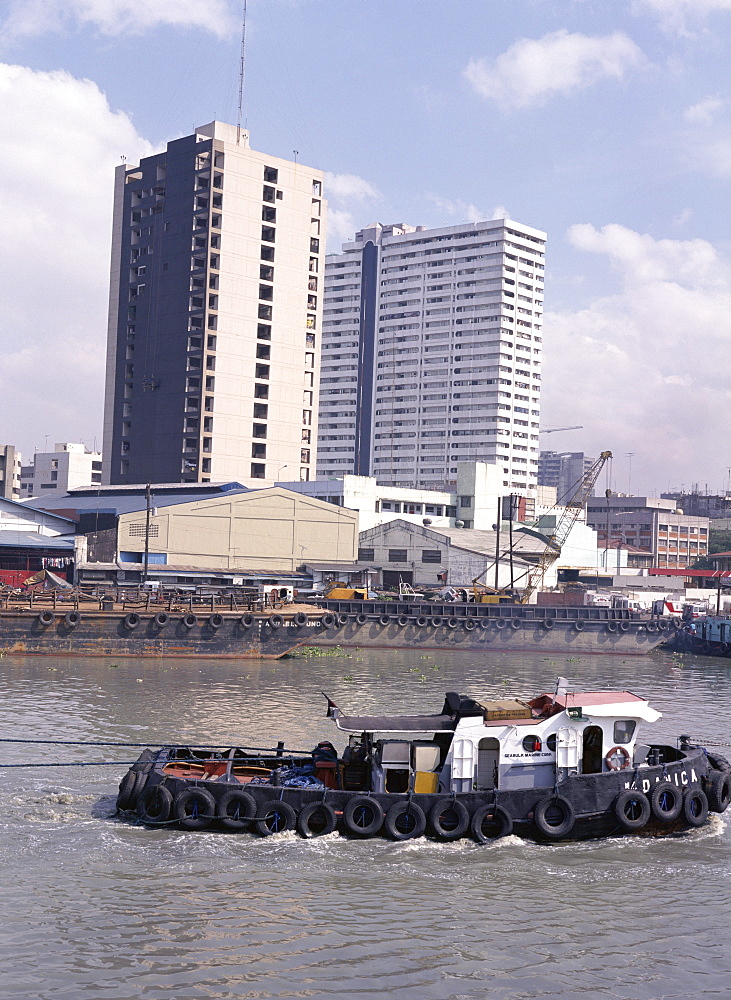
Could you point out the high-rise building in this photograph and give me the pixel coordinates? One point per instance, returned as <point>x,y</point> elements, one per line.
<point>431,353</point>
<point>9,472</point>
<point>215,308</point>
<point>563,470</point>
<point>68,467</point>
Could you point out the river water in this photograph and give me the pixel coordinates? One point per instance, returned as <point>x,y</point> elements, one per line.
<point>96,909</point>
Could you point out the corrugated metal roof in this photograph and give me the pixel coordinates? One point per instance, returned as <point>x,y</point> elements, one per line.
<point>108,503</point>
<point>32,540</point>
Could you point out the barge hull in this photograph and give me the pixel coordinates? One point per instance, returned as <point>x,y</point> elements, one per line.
<point>504,628</point>
<point>104,633</point>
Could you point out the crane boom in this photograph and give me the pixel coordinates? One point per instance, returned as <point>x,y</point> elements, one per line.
<point>552,430</point>
<point>564,524</point>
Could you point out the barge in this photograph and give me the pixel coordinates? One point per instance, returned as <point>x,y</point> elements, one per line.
<point>203,633</point>
<point>709,635</point>
<point>560,766</point>
<point>488,627</point>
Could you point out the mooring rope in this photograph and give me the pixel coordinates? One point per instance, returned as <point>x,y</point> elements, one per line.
<point>177,744</point>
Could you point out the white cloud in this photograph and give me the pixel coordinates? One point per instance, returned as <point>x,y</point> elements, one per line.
<point>350,187</point>
<point>704,112</point>
<point>644,370</point>
<point>113,17</point>
<point>684,16</point>
<point>345,193</point>
<point>533,70</point>
<point>61,142</point>
<point>466,211</point>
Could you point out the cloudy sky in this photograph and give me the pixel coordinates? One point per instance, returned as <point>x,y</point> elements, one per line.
<point>606,123</point>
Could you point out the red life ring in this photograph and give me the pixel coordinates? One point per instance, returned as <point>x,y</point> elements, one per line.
<point>611,759</point>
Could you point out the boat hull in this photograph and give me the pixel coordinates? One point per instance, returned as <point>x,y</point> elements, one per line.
<point>107,633</point>
<point>593,800</point>
<point>504,628</point>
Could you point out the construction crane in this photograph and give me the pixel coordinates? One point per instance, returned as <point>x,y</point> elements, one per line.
<point>564,524</point>
<point>552,430</point>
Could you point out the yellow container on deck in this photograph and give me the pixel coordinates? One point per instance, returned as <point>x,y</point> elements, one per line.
<point>426,781</point>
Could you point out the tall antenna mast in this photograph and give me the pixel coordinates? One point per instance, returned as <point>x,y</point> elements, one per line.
<point>242,74</point>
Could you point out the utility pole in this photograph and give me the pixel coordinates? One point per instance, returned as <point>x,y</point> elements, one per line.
<point>147,533</point>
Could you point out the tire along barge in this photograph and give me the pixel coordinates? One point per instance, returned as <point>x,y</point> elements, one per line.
<point>562,766</point>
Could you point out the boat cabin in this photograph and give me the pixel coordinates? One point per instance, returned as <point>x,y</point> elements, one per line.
<point>477,745</point>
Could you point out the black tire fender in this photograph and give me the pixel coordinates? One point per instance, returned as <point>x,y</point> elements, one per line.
<point>579,625</point>
<point>663,624</point>
<point>131,621</point>
<point>449,819</point>
<point>235,810</point>
<point>651,627</point>
<point>405,820</point>
<point>631,809</point>
<point>316,819</point>
<point>500,623</point>
<point>361,619</point>
<point>549,623</point>
<point>161,618</point>
<point>215,621</point>
<point>301,618</point>
<point>469,625</point>
<point>421,621</point>
<point>72,619</point>
<point>127,799</point>
<point>666,801</point>
<point>363,816</point>
<point>403,620</point>
<point>554,817</point>
<point>612,626</point>
<point>436,621</point>
<point>275,621</point>
<point>46,617</point>
<point>154,804</point>
<point>452,623</point>
<point>384,620</point>
<point>718,791</point>
<point>194,808</point>
<point>342,619</point>
<point>515,623</point>
<point>695,807</point>
<point>275,817</point>
<point>247,620</point>
<point>328,619</point>
<point>490,823</point>
<point>189,620</point>
<point>484,623</point>
<point>624,626</point>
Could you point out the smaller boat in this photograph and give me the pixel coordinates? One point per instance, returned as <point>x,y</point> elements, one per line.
<point>565,765</point>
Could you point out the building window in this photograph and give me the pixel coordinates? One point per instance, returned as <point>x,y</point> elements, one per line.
<point>266,272</point>
<point>261,391</point>
<point>268,214</point>
<point>431,556</point>
<point>261,411</point>
<point>304,475</point>
<point>258,450</point>
<point>257,471</point>
<point>314,244</point>
<point>397,555</point>
<point>267,253</point>
<point>304,455</point>
<point>259,431</point>
<point>366,555</point>
<point>262,371</point>
<point>271,175</point>
<point>267,235</point>
<point>466,501</point>
<point>268,193</point>
<point>263,351</point>
<point>265,312</point>
<point>264,332</point>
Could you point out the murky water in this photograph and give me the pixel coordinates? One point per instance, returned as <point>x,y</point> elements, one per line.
<point>95,909</point>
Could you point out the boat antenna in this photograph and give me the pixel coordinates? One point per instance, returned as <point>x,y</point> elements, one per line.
<point>562,687</point>
<point>242,74</point>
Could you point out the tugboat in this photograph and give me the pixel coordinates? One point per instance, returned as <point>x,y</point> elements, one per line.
<point>562,766</point>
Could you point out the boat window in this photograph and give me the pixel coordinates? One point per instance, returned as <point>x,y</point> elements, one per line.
<point>624,730</point>
<point>531,744</point>
<point>551,742</point>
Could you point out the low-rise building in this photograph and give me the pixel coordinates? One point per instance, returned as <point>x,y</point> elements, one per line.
<point>31,540</point>
<point>212,534</point>
<point>67,467</point>
<point>654,525</point>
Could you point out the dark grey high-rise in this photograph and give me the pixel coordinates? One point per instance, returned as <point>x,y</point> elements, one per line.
<point>212,357</point>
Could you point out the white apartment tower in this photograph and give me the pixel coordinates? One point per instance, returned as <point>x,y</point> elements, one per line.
<point>431,353</point>
<point>215,309</point>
